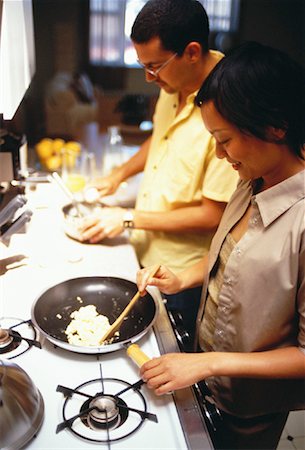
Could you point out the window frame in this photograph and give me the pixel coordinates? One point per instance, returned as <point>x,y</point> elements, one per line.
<point>120,62</point>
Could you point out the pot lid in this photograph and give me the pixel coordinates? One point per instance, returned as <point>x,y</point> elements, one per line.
<point>21,406</point>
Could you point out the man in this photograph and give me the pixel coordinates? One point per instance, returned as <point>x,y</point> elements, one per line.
<point>185,187</point>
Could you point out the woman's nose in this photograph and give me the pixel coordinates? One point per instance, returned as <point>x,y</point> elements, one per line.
<point>220,151</point>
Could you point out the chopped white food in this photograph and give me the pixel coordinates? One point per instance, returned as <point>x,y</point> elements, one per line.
<point>87,327</point>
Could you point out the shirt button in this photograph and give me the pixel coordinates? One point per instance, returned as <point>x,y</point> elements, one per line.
<point>155,167</point>
<point>220,333</point>
<point>254,221</point>
<point>229,281</point>
<point>165,138</point>
<point>238,251</point>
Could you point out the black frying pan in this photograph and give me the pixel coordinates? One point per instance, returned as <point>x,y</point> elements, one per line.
<point>51,311</point>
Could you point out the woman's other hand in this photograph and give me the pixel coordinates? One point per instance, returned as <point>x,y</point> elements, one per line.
<point>175,371</point>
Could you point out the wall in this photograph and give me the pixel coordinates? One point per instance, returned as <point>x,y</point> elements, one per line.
<point>61,43</point>
<point>278,23</point>
<point>59,26</point>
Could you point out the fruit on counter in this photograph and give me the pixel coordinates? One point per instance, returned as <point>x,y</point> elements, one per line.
<point>58,145</point>
<point>53,153</point>
<point>52,163</point>
<point>73,146</point>
<point>44,148</point>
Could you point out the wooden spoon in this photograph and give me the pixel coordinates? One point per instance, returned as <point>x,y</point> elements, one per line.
<point>117,323</point>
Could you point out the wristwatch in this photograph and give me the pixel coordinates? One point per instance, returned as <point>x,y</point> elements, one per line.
<point>128,219</point>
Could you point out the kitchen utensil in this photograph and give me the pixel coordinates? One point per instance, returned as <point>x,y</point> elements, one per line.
<point>52,309</point>
<point>116,325</point>
<point>72,221</point>
<point>68,193</point>
<point>21,406</point>
<point>9,223</point>
<point>7,231</point>
<point>8,212</point>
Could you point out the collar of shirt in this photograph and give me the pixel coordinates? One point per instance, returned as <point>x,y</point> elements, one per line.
<point>275,201</point>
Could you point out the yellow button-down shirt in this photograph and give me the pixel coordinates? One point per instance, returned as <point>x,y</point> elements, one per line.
<point>181,168</point>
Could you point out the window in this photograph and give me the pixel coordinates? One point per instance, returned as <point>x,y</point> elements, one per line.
<point>111,22</point>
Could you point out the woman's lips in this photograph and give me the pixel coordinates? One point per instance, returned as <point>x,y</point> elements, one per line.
<point>235,165</point>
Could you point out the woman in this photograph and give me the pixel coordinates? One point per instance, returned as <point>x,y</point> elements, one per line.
<point>251,324</point>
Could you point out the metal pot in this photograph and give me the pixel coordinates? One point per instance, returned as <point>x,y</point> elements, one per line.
<point>72,220</point>
<point>21,407</point>
<point>51,311</point>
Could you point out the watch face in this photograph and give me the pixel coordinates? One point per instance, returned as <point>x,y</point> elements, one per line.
<point>128,220</point>
<point>128,224</point>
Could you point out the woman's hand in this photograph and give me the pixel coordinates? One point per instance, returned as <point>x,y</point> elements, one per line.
<point>165,280</point>
<point>175,371</point>
<point>178,370</point>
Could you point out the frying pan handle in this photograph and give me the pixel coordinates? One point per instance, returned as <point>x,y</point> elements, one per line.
<point>137,355</point>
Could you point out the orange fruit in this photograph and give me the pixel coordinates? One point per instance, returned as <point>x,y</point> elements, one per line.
<point>44,148</point>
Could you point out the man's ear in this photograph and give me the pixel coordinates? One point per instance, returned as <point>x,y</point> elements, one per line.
<point>193,51</point>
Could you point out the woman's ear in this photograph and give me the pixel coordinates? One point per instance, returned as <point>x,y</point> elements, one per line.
<point>277,133</point>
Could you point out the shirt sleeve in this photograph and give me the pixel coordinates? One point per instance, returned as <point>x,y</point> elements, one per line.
<point>220,179</point>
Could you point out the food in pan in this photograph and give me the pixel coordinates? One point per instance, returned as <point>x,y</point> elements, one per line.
<point>87,327</point>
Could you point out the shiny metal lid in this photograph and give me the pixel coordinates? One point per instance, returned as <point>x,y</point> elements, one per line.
<point>21,407</point>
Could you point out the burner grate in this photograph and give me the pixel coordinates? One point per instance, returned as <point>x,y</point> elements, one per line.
<point>17,336</point>
<point>113,409</point>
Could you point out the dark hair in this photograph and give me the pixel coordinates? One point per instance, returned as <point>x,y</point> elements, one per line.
<point>256,87</point>
<point>175,22</point>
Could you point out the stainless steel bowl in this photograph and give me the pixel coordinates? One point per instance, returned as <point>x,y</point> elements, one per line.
<point>21,406</point>
<point>72,219</point>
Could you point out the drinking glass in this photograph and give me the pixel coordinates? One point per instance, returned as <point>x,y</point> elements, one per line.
<point>78,170</point>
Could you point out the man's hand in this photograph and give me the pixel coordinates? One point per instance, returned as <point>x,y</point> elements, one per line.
<point>106,224</point>
<point>107,185</point>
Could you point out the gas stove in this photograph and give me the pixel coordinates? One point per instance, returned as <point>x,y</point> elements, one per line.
<point>89,400</point>
<point>99,399</point>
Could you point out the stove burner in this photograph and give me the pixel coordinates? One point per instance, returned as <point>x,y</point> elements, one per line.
<point>105,416</point>
<point>5,338</point>
<point>14,343</point>
<point>105,412</point>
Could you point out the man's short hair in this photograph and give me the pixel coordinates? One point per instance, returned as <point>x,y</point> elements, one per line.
<point>175,22</point>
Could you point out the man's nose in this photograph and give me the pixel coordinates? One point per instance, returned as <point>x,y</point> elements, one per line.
<point>149,77</point>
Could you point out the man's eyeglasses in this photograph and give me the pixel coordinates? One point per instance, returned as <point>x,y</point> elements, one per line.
<point>155,72</point>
